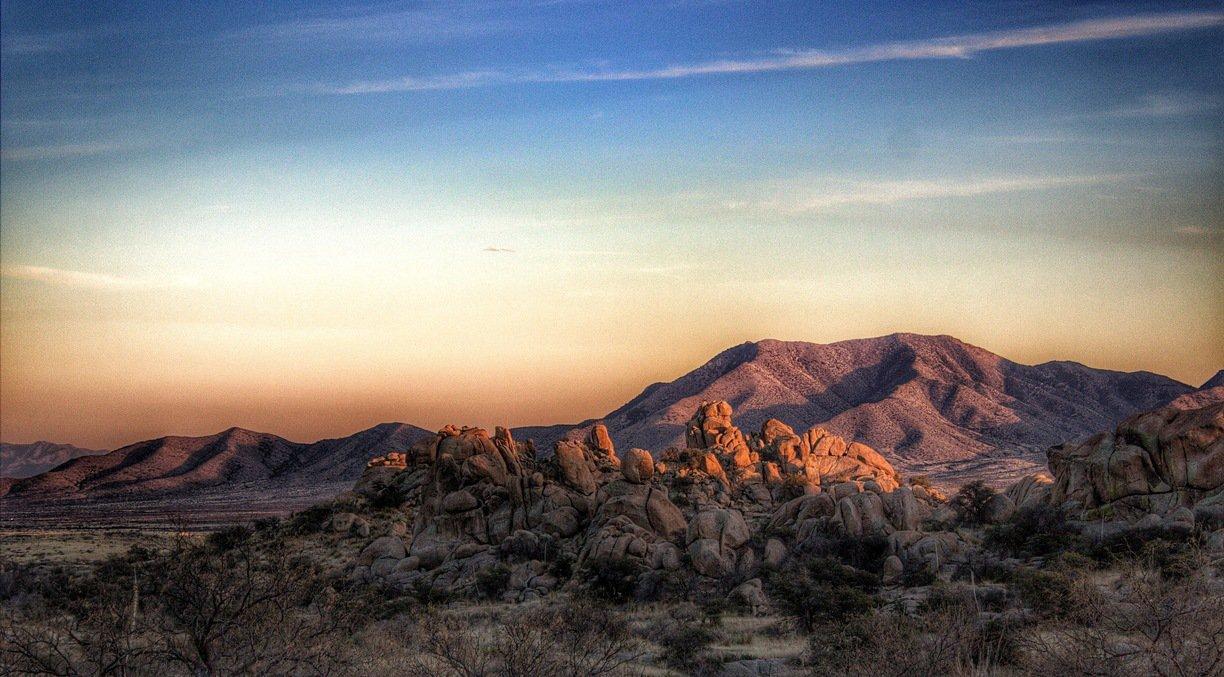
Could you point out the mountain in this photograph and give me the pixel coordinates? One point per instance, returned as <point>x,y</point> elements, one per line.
<point>19,461</point>
<point>1207,394</point>
<point>929,403</point>
<point>179,466</point>
<point>1216,381</point>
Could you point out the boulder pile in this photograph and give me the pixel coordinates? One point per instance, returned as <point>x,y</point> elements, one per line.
<point>708,519</point>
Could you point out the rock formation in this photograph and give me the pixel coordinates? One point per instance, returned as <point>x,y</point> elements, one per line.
<point>707,518</point>
<point>1153,463</point>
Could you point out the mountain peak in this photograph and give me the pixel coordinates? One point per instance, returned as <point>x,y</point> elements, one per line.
<point>924,400</point>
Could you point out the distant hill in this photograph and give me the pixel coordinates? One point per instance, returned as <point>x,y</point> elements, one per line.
<point>178,466</point>
<point>18,461</point>
<point>929,403</point>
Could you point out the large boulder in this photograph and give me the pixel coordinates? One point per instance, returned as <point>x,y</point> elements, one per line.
<point>638,466</point>
<point>1154,462</point>
<point>572,461</point>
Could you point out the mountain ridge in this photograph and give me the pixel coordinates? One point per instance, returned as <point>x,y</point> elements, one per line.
<point>923,400</point>
<point>931,404</point>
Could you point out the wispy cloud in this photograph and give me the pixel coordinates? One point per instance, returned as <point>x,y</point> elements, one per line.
<point>1195,231</point>
<point>17,44</point>
<point>85,280</point>
<point>499,250</point>
<point>418,25</point>
<point>818,194</point>
<point>889,192</point>
<point>1168,105</point>
<point>954,47</point>
<point>61,151</point>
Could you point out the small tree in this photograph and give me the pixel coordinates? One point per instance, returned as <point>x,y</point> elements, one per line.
<point>823,590</point>
<point>972,502</point>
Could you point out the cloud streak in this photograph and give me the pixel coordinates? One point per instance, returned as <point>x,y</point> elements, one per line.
<point>68,150</point>
<point>815,195</point>
<point>84,280</point>
<point>954,47</point>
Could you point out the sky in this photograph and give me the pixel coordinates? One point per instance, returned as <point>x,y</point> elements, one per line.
<point>309,218</point>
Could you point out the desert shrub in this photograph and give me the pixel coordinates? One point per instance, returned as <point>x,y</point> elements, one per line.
<point>229,537</point>
<point>1032,532</point>
<point>492,582</point>
<point>1050,593</point>
<point>1159,546</point>
<point>310,520</point>
<point>559,639</point>
<point>820,590</point>
<point>918,577</point>
<point>685,639</point>
<point>949,641</point>
<point>267,524</point>
<point>972,502</point>
<point>562,565</point>
<point>611,579</point>
<point>197,610</point>
<point>865,552</point>
<point>713,610</point>
<point>389,497</point>
<point>1149,624</point>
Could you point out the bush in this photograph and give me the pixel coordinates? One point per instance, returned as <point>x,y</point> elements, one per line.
<point>391,496</point>
<point>229,537</point>
<point>611,580</point>
<point>1161,546</point>
<point>1032,532</point>
<point>1149,625</point>
<point>566,639</point>
<point>310,520</point>
<point>266,524</point>
<point>944,642</point>
<point>972,502</point>
<point>822,590</point>
<point>1050,593</point>
<point>492,582</point>
<point>685,641</point>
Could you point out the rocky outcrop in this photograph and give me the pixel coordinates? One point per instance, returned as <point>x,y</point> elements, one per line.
<point>1153,463</point>
<point>706,519</point>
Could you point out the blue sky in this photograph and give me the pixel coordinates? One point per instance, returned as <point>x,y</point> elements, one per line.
<point>214,197</point>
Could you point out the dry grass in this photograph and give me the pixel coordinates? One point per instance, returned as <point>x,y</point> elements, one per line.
<point>75,548</point>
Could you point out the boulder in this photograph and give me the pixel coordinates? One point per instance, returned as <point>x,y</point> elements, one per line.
<point>999,509</point>
<point>459,501</point>
<point>1151,463</point>
<point>751,596</point>
<point>385,547</point>
<point>708,559</point>
<point>725,527</point>
<point>637,466</point>
<point>572,462</point>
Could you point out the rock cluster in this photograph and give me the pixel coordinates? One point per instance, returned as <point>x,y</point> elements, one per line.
<point>709,518</point>
<point>1158,462</point>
